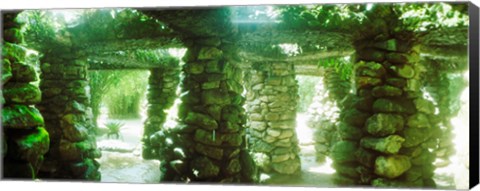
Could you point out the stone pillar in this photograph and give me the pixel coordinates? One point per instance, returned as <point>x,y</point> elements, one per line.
<point>323,113</point>
<point>386,126</point>
<point>68,118</point>
<point>24,138</point>
<point>162,86</point>
<point>208,144</point>
<point>271,106</point>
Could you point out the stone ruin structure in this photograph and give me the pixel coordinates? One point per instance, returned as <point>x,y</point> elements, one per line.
<point>238,105</point>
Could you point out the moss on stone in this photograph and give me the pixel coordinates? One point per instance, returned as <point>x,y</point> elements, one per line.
<point>21,116</point>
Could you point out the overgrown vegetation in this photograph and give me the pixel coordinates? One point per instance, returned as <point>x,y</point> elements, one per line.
<point>114,128</point>
<point>120,91</point>
<point>306,91</point>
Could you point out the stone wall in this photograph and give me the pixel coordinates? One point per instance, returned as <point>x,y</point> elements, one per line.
<point>162,86</point>
<point>24,138</point>
<point>272,95</point>
<point>68,118</point>
<point>388,127</point>
<point>208,144</point>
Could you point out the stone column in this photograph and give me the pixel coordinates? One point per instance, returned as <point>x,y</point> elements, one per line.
<point>162,86</point>
<point>323,113</point>
<point>208,144</point>
<point>24,138</point>
<point>271,106</point>
<point>387,125</point>
<point>68,118</point>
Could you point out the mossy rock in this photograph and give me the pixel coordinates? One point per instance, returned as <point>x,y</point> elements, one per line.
<point>21,117</point>
<point>418,120</point>
<point>201,120</point>
<point>6,71</point>
<point>204,168</point>
<point>344,151</point>
<point>366,157</point>
<point>383,105</point>
<point>415,136</point>
<point>75,151</point>
<point>21,93</point>
<point>392,166</point>
<point>387,145</point>
<point>209,53</point>
<point>348,170</point>
<point>13,35</point>
<point>386,91</point>
<point>349,132</point>
<point>28,145</point>
<point>383,124</point>
<point>14,52</point>
<point>289,167</point>
<point>354,117</point>
<point>370,54</point>
<point>23,72</point>
<point>87,170</point>
<point>211,152</point>
<point>370,69</point>
<point>404,70</point>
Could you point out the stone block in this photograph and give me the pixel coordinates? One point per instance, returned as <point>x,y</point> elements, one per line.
<point>201,120</point>
<point>87,169</point>
<point>415,136</point>
<point>418,120</point>
<point>23,72</point>
<point>75,132</point>
<point>344,151</point>
<point>215,96</point>
<point>383,124</point>
<point>209,53</point>
<point>387,145</point>
<point>261,146</point>
<point>14,52</point>
<point>425,106</point>
<point>386,91</point>
<point>21,93</point>
<point>384,105</point>
<point>369,69</point>
<point>204,168</point>
<point>13,35</point>
<point>282,124</point>
<point>287,167</point>
<point>405,71</point>
<point>354,117</point>
<point>392,166</point>
<point>233,166</point>
<point>366,157</point>
<point>348,170</point>
<point>365,82</point>
<point>212,152</point>
<point>75,151</point>
<point>370,54</point>
<point>6,71</point>
<point>349,132</point>
<point>28,145</point>
<point>397,82</point>
<point>21,117</point>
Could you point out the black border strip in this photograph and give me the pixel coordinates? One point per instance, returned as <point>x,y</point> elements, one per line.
<point>474,96</point>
